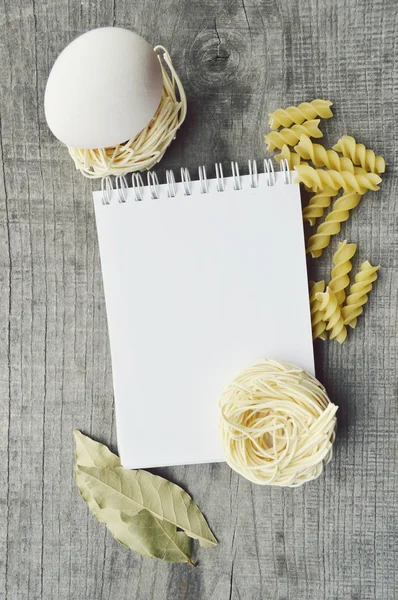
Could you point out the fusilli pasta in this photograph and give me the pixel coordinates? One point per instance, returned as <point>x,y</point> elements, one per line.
<point>292,158</point>
<point>350,167</point>
<point>331,225</point>
<point>360,155</point>
<point>318,179</point>
<point>284,117</point>
<point>320,157</point>
<point>333,316</point>
<point>358,295</point>
<point>342,266</point>
<point>276,139</point>
<point>317,204</point>
<point>317,316</point>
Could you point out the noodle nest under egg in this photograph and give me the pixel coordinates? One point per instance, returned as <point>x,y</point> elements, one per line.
<point>145,149</point>
<point>277,424</point>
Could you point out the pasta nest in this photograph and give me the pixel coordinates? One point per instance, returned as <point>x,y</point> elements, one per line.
<point>277,424</point>
<point>145,149</point>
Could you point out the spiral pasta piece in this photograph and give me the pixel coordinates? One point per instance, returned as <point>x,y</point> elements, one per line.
<point>360,155</point>
<point>277,424</point>
<point>368,181</point>
<point>332,316</point>
<point>317,316</point>
<point>342,266</point>
<point>292,158</point>
<point>276,139</point>
<point>358,295</point>
<point>318,179</point>
<point>317,204</point>
<point>332,223</point>
<point>320,157</point>
<point>284,117</point>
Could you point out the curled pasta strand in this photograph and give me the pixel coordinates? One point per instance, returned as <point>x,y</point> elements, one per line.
<point>292,158</point>
<point>317,204</point>
<point>317,316</point>
<point>332,316</point>
<point>358,295</point>
<point>277,424</point>
<point>318,179</point>
<point>320,157</point>
<point>284,117</point>
<point>342,266</point>
<point>276,139</point>
<point>360,155</point>
<point>332,223</point>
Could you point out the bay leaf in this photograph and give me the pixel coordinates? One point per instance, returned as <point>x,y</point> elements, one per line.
<point>132,491</point>
<point>142,533</point>
<point>142,528</point>
<point>93,454</point>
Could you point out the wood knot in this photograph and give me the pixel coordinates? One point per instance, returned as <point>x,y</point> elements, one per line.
<point>215,58</point>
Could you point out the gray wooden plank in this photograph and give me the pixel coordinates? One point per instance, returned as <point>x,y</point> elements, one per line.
<point>334,538</point>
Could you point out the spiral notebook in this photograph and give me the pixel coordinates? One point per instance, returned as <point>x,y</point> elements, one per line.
<point>201,279</point>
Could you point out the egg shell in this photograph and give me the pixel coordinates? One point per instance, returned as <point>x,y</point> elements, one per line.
<point>103,89</point>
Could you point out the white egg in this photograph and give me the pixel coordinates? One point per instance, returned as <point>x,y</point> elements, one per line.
<point>103,89</point>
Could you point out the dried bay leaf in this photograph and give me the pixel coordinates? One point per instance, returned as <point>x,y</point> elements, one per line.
<point>143,533</point>
<point>93,454</point>
<point>141,510</point>
<point>133,491</point>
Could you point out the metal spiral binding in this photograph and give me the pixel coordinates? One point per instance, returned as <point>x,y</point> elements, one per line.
<point>235,174</point>
<point>284,167</point>
<point>138,187</point>
<point>121,187</point>
<point>171,183</point>
<point>269,171</point>
<point>106,189</point>
<point>204,185</point>
<point>253,173</point>
<point>153,184</point>
<point>186,181</point>
<point>220,178</point>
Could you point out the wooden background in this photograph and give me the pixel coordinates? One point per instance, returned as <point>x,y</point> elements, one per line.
<point>335,538</point>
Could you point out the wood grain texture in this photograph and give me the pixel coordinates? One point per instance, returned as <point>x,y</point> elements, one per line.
<point>333,539</point>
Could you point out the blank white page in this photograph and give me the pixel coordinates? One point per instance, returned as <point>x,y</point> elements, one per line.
<point>197,288</point>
